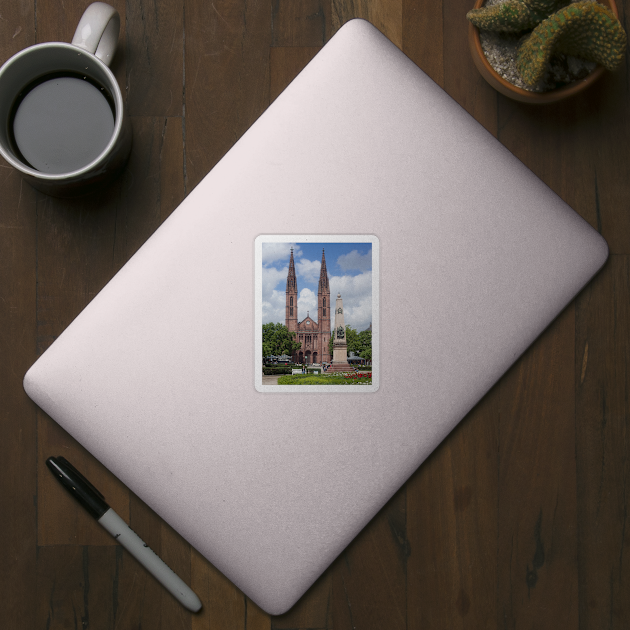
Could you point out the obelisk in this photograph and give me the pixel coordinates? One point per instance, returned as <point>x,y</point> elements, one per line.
<point>340,344</point>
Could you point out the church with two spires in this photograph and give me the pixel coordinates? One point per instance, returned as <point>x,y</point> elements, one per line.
<point>313,335</point>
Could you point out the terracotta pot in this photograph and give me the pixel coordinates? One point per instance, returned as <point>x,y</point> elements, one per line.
<point>512,91</point>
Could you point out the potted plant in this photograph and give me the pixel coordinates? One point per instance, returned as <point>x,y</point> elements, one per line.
<point>548,50</point>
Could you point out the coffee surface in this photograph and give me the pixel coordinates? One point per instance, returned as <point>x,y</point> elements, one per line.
<point>62,124</point>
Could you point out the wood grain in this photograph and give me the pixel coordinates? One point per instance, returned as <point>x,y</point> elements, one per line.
<point>537,537</point>
<point>518,520</point>
<point>422,36</point>
<point>224,606</point>
<point>76,587</point>
<point>602,380</point>
<point>386,15</point>
<point>461,79</point>
<point>154,57</point>
<point>369,577</point>
<point>18,416</point>
<point>226,78</point>
<point>452,527</point>
<point>303,23</point>
<point>18,324</point>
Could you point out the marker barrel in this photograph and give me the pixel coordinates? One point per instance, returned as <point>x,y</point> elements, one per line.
<point>149,559</point>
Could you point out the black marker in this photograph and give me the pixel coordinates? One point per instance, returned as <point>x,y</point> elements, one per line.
<point>94,502</point>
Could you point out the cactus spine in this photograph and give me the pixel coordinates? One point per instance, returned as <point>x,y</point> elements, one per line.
<point>583,29</point>
<point>513,16</point>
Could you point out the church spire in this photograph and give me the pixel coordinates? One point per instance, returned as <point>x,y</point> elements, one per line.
<point>291,279</point>
<point>323,313</point>
<point>323,275</point>
<point>291,317</point>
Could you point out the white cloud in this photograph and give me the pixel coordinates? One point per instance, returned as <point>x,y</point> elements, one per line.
<point>307,302</point>
<point>278,251</point>
<point>356,293</point>
<point>308,270</point>
<point>353,260</point>
<point>271,278</point>
<point>274,307</point>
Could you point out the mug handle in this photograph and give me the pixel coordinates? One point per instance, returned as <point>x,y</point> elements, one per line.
<point>98,30</point>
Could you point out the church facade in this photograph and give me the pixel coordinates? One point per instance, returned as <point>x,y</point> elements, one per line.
<point>313,335</point>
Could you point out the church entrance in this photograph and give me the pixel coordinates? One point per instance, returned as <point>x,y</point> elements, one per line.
<point>314,357</point>
<point>301,358</point>
<point>308,357</point>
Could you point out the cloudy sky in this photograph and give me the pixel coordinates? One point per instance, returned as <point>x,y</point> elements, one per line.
<point>349,268</point>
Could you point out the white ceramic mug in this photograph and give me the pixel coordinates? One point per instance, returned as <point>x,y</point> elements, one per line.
<point>85,60</point>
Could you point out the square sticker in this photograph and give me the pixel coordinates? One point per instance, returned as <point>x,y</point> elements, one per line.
<point>316,313</point>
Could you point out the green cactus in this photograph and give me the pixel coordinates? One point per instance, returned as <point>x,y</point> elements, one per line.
<point>583,29</point>
<point>513,16</point>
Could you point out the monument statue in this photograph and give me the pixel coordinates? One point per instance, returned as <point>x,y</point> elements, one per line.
<point>340,345</point>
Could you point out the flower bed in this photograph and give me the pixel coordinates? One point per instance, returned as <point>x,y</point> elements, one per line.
<point>357,377</point>
<point>325,379</point>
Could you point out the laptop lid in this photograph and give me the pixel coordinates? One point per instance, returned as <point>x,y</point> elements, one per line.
<point>465,257</point>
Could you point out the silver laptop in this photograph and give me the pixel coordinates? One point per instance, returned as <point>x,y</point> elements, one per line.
<point>364,182</point>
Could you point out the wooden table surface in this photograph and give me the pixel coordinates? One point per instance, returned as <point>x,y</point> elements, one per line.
<point>518,520</point>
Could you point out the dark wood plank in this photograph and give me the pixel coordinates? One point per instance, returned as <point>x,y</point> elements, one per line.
<point>422,36</point>
<point>18,416</point>
<point>76,587</point>
<point>537,538</point>
<point>226,78</point>
<point>224,606</point>
<point>608,137</point>
<point>461,78</point>
<point>603,444</point>
<point>369,587</point>
<point>171,158</point>
<point>386,15</point>
<point>303,23</point>
<point>57,22</point>
<point>452,527</point>
<point>154,57</point>
<point>17,27</point>
<point>558,147</point>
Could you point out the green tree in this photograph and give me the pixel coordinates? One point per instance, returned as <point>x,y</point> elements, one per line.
<point>277,340</point>
<point>365,345</point>
<point>352,339</point>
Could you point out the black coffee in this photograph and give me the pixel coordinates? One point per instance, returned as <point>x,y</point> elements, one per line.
<point>62,123</point>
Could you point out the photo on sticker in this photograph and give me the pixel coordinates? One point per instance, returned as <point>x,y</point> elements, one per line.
<point>316,312</point>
